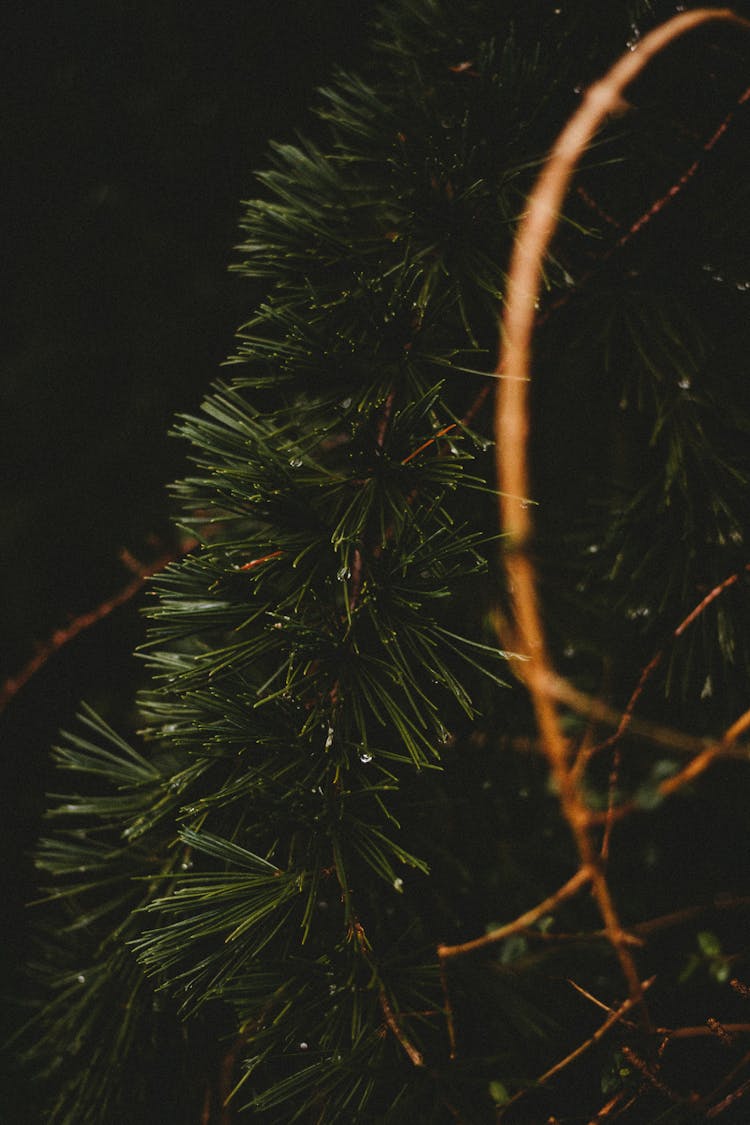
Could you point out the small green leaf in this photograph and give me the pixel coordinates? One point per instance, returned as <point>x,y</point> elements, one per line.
<point>498,1093</point>
<point>709,944</point>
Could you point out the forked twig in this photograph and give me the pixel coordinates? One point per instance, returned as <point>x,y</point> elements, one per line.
<point>614,1017</point>
<point>655,661</point>
<point>566,891</point>
<point>712,752</point>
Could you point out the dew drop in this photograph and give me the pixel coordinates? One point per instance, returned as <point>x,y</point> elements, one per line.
<point>303,1046</point>
<point>398,885</point>
<point>346,403</point>
<point>295,462</point>
<point>343,573</point>
<point>364,757</point>
<point>329,738</point>
<point>81,978</point>
<point>635,36</point>
<point>186,865</point>
<point>684,384</point>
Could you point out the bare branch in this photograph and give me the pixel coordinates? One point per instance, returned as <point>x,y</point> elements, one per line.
<point>613,1018</point>
<point>567,890</point>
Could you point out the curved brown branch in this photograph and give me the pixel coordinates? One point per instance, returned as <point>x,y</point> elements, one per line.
<point>512,428</point>
<point>582,876</point>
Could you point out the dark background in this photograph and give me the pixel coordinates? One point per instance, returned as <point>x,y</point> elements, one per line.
<point>131,131</point>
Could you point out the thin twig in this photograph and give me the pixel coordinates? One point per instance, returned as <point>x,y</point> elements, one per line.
<point>588,996</point>
<point>729,1100</point>
<point>11,687</point>
<point>639,932</point>
<point>636,226</point>
<point>614,1103</point>
<point>566,891</point>
<point>652,211</point>
<point>429,442</point>
<point>390,1018</point>
<point>448,1005</point>
<point>614,775</point>
<point>596,207</point>
<point>725,1083</point>
<point>589,707</point>
<point>686,176</point>
<point>679,917</point>
<point>711,1027</point>
<point>688,773</point>
<point>613,1018</point>
<point>627,715</point>
<point>653,1079</point>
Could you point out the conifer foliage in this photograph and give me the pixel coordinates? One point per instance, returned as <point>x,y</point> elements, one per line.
<point>338,772</point>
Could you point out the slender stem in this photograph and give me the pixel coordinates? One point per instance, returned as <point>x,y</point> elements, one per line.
<point>614,1017</point>
<point>567,890</point>
<point>410,1050</point>
<point>13,685</point>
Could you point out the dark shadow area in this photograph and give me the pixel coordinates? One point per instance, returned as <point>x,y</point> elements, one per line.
<point>132,131</point>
